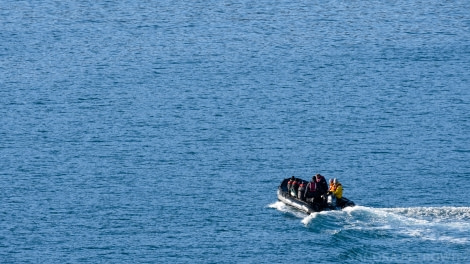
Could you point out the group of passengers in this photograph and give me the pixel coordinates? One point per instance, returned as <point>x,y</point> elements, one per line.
<point>316,190</point>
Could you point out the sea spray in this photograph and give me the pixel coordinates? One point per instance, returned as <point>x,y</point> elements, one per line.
<point>447,224</point>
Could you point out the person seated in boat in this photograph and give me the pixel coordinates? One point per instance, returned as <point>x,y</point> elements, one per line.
<point>301,191</point>
<point>295,187</point>
<point>289,184</point>
<point>311,189</point>
<point>332,186</point>
<point>316,188</point>
<point>322,186</point>
<point>337,190</point>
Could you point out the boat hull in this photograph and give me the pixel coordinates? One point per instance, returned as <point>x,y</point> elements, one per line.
<point>301,205</point>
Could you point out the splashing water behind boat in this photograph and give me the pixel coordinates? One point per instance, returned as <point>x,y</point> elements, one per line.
<point>449,225</point>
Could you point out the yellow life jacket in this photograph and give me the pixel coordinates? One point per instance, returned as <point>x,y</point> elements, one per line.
<point>338,192</point>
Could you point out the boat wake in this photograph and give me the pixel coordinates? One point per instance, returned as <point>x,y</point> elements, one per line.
<point>446,224</point>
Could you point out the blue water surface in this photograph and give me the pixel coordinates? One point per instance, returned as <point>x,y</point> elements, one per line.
<point>158,131</point>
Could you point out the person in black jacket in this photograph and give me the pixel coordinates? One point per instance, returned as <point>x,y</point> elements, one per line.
<point>322,186</point>
<point>316,188</point>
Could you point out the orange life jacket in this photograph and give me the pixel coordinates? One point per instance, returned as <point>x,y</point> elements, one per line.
<point>332,187</point>
<point>295,184</point>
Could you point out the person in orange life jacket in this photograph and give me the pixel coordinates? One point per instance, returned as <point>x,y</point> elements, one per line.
<point>289,184</point>
<point>295,187</point>
<point>338,189</point>
<point>301,191</point>
<point>332,186</point>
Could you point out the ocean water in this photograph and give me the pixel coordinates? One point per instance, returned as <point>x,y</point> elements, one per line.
<point>158,131</point>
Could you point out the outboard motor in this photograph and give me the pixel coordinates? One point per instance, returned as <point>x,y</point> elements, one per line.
<point>331,200</point>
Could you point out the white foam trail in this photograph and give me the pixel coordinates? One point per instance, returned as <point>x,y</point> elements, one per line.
<point>280,206</point>
<point>449,224</point>
<point>437,213</point>
<point>306,220</point>
<point>445,224</point>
